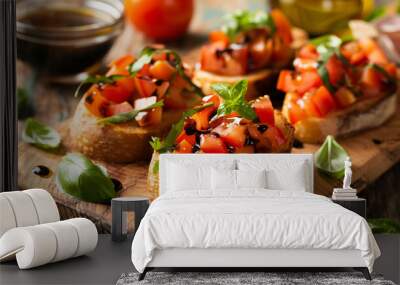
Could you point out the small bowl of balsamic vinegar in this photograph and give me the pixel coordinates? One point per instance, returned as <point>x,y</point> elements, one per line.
<point>66,39</point>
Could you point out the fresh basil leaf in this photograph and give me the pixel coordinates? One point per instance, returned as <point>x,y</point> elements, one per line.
<point>98,79</point>
<point>323,73</point>
<point>326,44</point>
<point>129,116</point>
<point>169,142</point>
<point>330,157</point>
<point>242,21</point>
<point>40,135</point>
<point>234,99</point>
<point>144,58</point>
<point>383,225</point>
<point>80,177</point>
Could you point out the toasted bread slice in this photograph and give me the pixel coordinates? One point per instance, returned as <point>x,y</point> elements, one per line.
<point>362,115</point>
<point>280,122</point>
<point>121,143</point>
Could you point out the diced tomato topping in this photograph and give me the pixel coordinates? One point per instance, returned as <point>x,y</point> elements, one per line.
<point>184,147</point>
<point>371,82</point>
<point>118,92</point>
<point>344,97</point>
<point>307,80</point>
<point>296,113</point>
<point>353,53</point>
<point>323,100</point>
<point>162,89</point>
<point>145,86</point>
<point>96,103</point>
<point>151,117</point>
<point>218,36</point>
<point>232,134</point>
<point>161,69</point>
<point>214,99</point>
<point>285,81</point>
<point>308,105</point>
<point>210,143</point>
<point>309,51</point>
<point>214,58</point>
<point>264,110</point>
<point>390,69</point>
<point>120,65</point>
<point>283,26</point>
<point>115,109</point>
<point>174,99</point>
<point>305,64</point>
<point>335,70</point>
<point>183,136</point>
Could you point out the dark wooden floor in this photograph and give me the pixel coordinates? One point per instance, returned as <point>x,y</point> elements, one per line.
<point>106,264</point>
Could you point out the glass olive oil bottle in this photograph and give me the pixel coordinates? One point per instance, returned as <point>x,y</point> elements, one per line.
<point>322,16</point>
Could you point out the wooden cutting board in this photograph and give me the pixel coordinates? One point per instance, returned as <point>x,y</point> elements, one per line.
<point>373,152</point>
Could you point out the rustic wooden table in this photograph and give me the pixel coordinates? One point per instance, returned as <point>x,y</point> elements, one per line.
<point>373,152</point>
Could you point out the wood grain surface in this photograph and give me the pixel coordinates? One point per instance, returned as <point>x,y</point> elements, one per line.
<point>373,152</point>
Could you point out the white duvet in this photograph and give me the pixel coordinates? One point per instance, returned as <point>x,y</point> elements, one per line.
<point>253,218</point>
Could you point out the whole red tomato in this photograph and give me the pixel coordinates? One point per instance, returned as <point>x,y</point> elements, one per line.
<point>160,19</point>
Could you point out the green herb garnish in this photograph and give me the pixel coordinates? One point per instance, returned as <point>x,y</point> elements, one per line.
<point>145,57</point>
<point>234,99</point>
<point>242,21</point>
<point>330,157</point>
<point>98,79</point>
<point>80,177</point>
<point>327,46</point>
<point>129,116</point>
<point>40,135</point>
<point>169,142</point>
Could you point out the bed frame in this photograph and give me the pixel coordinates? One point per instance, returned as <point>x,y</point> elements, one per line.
<point>246,258</point>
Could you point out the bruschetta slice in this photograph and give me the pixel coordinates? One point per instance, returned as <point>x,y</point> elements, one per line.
<point>226,123</point>
<point>338,88</point>
<point>136,99</point>
<point>249,46</point>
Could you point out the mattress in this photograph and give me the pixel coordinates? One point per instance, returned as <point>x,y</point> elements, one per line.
<point>251,219</point>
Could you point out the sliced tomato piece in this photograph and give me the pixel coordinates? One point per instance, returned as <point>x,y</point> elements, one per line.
<point>296,113</point>
<point>264,110</point>
<point>174,98</point>
<point>285,81</point>
<point>210,143</point>
<point>371,82</point>
<point>202,119</point>
<point>145,86</point>
<point>161,69</point>
<point>307,81</point>
<point>218,36</point>
<point>184,136</point>
<point>184,147</point>
<point>353,53</point>
<point>282,25</point>
<point>118,92</point>
<point>390,69</point>
<point>275,136</point>
<point>96,103</point>
<point>345,97</point>
<point>232,133</point>
<point>308,51</point>
<point>323,100</point>
<point>116,109</point>
<point>308,105</point>
<point>120,66</point>
<point>162,89</point>
<point>335,70</point>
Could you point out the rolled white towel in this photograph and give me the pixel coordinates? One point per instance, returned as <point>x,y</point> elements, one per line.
<point>7,218</point>
<point>45,205</point>
<point>23,208</point>
<point>40,244</point>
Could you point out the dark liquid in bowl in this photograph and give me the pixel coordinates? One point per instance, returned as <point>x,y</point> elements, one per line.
<point>64,17</point>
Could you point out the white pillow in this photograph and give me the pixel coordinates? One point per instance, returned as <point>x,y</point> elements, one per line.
<point>280,174</point>
<point>251,178</point>
<point>187,175</point>
<point>223,179</point>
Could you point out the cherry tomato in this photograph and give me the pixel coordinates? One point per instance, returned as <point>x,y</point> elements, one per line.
<point>160,19</point>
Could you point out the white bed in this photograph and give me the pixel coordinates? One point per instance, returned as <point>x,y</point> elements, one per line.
<point>200,225</point>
